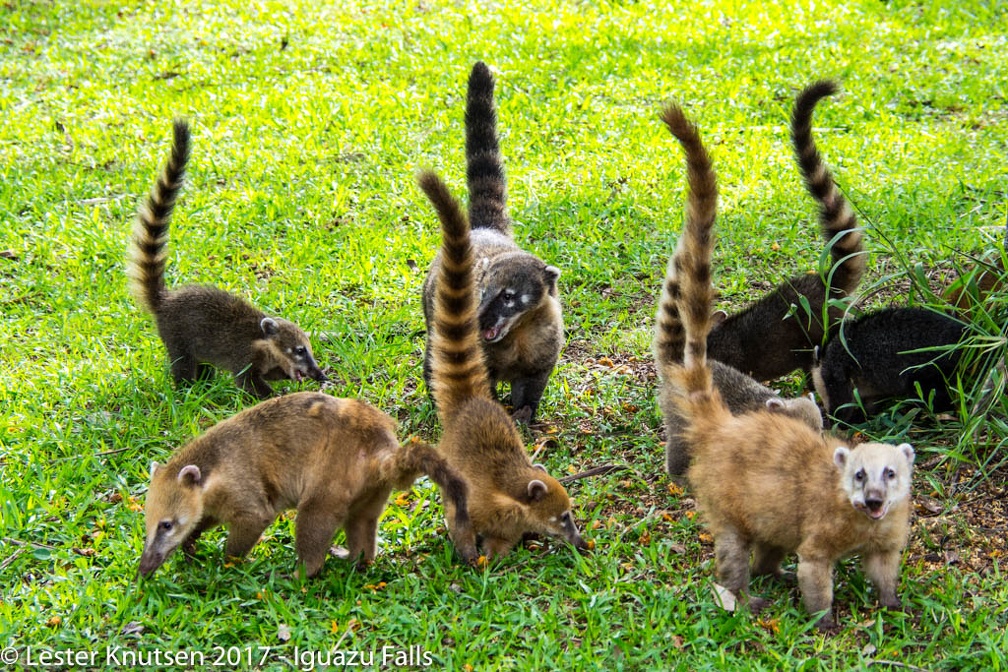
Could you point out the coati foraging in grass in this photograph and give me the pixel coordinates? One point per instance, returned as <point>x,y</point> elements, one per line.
<point>767,482</point>
<point>875,354</point>
<point>202,325</point>
<point>776,335</point>
<point>335,460</point>
<point>740,392</point>
<point>520,320</point>
<point>508,495</point>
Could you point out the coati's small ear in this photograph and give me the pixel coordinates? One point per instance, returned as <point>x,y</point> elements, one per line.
<point>840,456</point>
<point>717,317</point>
<point>552,273</point>
<point>811,396</point>
<point>269,326</point>
<point>153,468</point>
<point>540,467</point>
<point>908,451</point>
<point>537,490</point>
<point>190,475</point>
<point>775,404</point>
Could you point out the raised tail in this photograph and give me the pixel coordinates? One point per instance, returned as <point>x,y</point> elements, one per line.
<point>150,233</point>
<point>458,372</point>
<point>836,218</point>
<point>684,310</point>
<point>484,165</point>
<point>416,458</point>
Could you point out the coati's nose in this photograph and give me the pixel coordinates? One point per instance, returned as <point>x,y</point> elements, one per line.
<point>874,505</point>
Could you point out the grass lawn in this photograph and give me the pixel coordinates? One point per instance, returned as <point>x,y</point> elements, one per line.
<point>310,121</point>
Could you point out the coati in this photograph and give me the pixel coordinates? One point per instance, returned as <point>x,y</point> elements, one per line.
<point>335,460</point>
<point>740,392</point>
<point>887,355</point>
<point>770,484</point>
<point>202,325</point>
<point>521,326</point>
<point>508,495</point>
<point>776,335</point>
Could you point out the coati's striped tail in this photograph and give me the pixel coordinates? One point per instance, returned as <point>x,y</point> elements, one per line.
<point>684,310</point>
<point>835,214</point>
<point>458,371</point>
<point>484,165</point>
<point>150,233</point>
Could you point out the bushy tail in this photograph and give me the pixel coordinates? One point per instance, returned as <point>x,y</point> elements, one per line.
<point>150,233</point>
<point>416,458</point>
<point>458,371</point>
<point>684,310</point>
<point>836,218</point>
<point>484,166</point>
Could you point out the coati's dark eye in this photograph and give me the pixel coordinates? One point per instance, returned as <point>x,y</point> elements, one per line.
<point>166,525</point>
<point>890,473</point>
<point>300,351</point>
<point>509,295</point>
<point>859,475</point>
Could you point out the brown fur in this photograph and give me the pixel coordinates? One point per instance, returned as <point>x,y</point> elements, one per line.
<point>740,392</point>
<point>769,484</point>
<point>203,325</point>
<point>508,495</point>
<point>335,460</point>
<point>777,334</point>
<point>520,323</point>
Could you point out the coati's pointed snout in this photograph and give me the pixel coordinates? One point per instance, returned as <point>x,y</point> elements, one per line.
<point>149,561</point>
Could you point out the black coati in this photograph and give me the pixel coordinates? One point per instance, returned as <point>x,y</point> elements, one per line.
<point>740,392</point>
<point>776,335</point>
<point>888,355</point>
<point>335,460</point>
<point>769,484</point>
<point>508,495</point>
<point>202,325</point>
<point>520,321</point>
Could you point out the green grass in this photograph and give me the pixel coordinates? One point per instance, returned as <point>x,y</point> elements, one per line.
<point>309,126</point>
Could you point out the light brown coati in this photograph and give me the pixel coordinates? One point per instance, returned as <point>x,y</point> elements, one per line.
<point>508,495</point>
<point>768,484</point>
<point>777,334</point>
<point>890,354</point>
<point>740,392</point>
<point>201,325</point>
<point>335,460</point>
<point>520,321</point>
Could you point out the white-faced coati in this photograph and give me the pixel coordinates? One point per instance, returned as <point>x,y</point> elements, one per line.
<point>335,460</point>
<point>203,325</point>
<point>508,495</point>
<point>776,335</point>
<point>520,321</point>
<point>740,392</point>
<point>888,355</point>
<point>769,484</point>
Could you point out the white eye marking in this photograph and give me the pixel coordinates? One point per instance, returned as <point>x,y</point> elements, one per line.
<point>553,519</point>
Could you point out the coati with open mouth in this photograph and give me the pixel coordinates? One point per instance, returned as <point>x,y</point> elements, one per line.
<point>769,484</point>
<point>777,334</point>
<point>740,392</point>
<point>202,325</point>
<point>335,460</point>
<point>508,495</point>
<point>520,321</point>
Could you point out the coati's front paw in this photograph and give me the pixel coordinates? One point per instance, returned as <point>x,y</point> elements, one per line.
<point>892,603</point>
<point>827,625</point>
<point>757,604</point>
<point>523,415</point>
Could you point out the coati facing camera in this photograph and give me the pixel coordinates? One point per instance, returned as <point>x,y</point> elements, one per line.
<point>202,325</point>
<point>335,460</point>
<point>777,334</point>
<point>768,483</point>
<point>520,321</point>
<point>508,495</point>
<point>879,355</point>
<point>740,392</point>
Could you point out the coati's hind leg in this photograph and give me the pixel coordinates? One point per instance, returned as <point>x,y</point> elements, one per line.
<point>883,571</point>
<point>815,580</point>
<point>731,553</point>
<point>525,396</point>
<point>313,533</point>
<point>204,371</point>
<point>183,365</point>
<point>767,560</point>
<point>361,538</point>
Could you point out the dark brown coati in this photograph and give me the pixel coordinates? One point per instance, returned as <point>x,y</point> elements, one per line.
<point>508,495</point>
<point>768,484</point>
<point>740,392</point>
<point>777,334</point>
<point>520,321</point>
<point>335,460</point>
<point>202,325</point>
<point>885,356</point>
